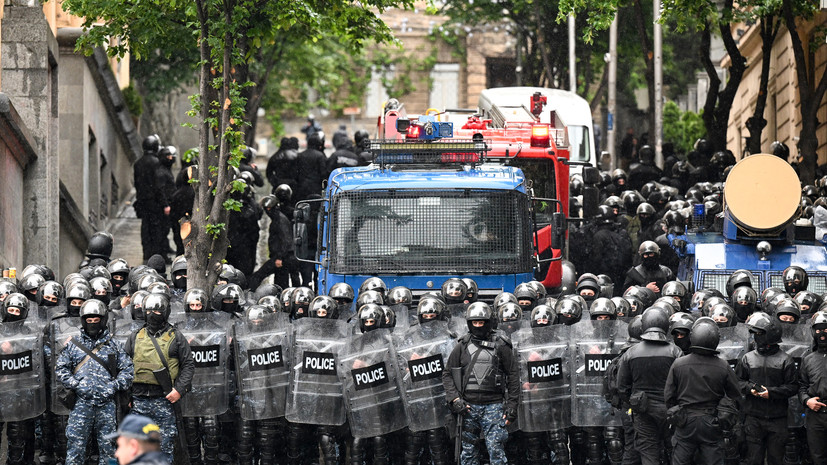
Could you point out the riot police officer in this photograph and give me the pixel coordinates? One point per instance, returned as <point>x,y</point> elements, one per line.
<point>96,368</point>
<point>650,273</point>
<point>695,386</point>
<point>482,386</point>
<point>147,346</point>
<point>767,377</point>
<point>642,373</point>
<point>812,390</point>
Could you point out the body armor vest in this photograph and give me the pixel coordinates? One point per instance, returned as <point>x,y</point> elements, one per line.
<point>146,359</point>
<point>485,374</point>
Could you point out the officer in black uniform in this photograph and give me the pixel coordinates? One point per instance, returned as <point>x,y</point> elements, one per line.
<point>812,390</point>
<point>148,203</point>
<point>767,376</point>
<point>311,168</point>
<point>695,386</point>
<point>650,273</point>
<point>482,386</point>
<point>641,377</point>
<point>645,170</point>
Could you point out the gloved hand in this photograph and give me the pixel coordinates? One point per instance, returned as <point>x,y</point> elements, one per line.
<point>510,415</point>
<point>459,406</point>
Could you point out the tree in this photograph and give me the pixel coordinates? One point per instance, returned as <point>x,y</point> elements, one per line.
<point>682,128</point>
<point>228,34</point>
<point>810,94</point>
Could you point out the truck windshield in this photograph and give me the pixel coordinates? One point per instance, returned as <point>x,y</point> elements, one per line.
<point>433,232</point>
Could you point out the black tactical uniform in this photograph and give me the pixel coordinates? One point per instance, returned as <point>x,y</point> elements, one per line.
<point>649,271</point>
<point>311,169</point>
<point>812,390</point>
<point>148,202</point>
<point>697,382</point>
<point>766,369</point>
<point>641,377</point>
<point>644,171</point>
<point>281,168</point>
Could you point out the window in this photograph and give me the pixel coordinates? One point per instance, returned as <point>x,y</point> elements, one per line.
<point>445,86</point>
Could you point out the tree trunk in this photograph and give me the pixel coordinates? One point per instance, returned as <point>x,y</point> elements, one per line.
<point>649,58</point>
<point>810,101</point>
<point>756,124</point>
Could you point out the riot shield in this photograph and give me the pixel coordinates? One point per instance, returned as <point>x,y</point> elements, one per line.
<point>22,371</point>
<point>371,385</point>
<point>594,344</point>
<point>206,333</point>
<point>422,353</point>
<point>315,395</point>
<point>63,329</point>
<point>122,328</point>
<point>458,325</point>
<point>262,362</point>
<point>177,312</point>
<point>545,377</point>
<point>797,342</point>
<point>511,327</point>
<point>733,344</point>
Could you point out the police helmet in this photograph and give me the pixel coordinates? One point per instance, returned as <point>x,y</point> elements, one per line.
<point>324,307</point>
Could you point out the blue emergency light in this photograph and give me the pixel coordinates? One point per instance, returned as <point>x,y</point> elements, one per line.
<point>428,151</point>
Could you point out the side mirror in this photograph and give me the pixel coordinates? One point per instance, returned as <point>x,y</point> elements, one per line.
<point>558,230</point>
<point>591,200</point>
<point>301,213</point>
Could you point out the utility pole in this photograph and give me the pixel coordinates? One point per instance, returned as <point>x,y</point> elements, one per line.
<point>658,136</point>
<point>572,57</point>
<point>611,132</point>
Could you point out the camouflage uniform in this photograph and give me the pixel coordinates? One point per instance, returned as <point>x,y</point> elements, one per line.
<point>95,389</point>
<point>484,421</point>
<point>161,412</point>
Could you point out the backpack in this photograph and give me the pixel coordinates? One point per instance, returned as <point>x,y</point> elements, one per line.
<point>610,391</point>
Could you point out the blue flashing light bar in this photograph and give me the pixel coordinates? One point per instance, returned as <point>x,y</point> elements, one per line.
<point>428,152</point>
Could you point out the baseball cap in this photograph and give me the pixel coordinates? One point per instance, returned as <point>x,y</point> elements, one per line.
<point>138,427</point>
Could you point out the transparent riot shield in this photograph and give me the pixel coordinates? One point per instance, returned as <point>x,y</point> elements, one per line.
<point>734,343</point>
<point>122,328</point>
<point>545,377</point>
<point>371,385</point>
<point>315,395</point>
<point>207,335</point>
<point>422,353</point>
<point>62,331</point>
<point>594,344</point>
<point>22,371</point>
<point>262,361</point>
<point>458,325</point>
<point>177,313</point>
<point>797,342</point>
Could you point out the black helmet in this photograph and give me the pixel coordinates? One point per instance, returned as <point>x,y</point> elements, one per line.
<point>266,289</point>
<point>645,208</point>
<point>502,298</point>
<point>723,315</point>
<point>30,284</point>
<point>430,306</point>
<point>819,322</point>
<point>300,301</point>
<point>18,301</point>
<point>603,307</point>
<point>767,295</point>
<point>42,270</point>
<point>454,290</point>
<point>677,290</point>
<point>809,301</point>
<point>257,312</point>
<point>479,311</point>
<point>744,301</point>
<point>101,289</point>
<point>669,304</point>
<point>780,150</point>
<point>569,310</point>
<point>156,303</point>
<point>360,138</point>
<point>766,330</point>
<point>49,294</point>
<point>473,290</point>
<point>93,308</point>
<point>342,292</point>
<point>646,154</point>
<point>649,247</point>
<point>510,312</point>
<point>227,298</point>
<point>655,324</point>
<point>400,295</point>
<point>605,215</point>
<point>151,144</point>
<point>635,328</point>
<point>370,297</point>
<point>738,278</point>
<point>198,299</point>
<point>371,317</point>
<point>619,174</point>
<point>699,299</point>
<point>705,336</point>
<point>795,280</point>
<point>286,299</point>
<point>324,307</point>
<point>100,245</point>
<point>390,317</point>
<point>607,286</point>
<point>631,200</point>
<point>373,284</point>
<point>272,302</point>
<point>646,296</point>
<point>283,192</point>
<point>543,312</point>
<point>709,303</point>
<point>680,321</point>
<point>80,291</point>
<point>622,306</point>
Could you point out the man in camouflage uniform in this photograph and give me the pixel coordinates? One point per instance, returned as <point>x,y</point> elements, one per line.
<point>481,375</point>
<point>94,383</point>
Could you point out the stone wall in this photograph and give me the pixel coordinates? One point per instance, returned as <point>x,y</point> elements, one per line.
<point>16,151</point>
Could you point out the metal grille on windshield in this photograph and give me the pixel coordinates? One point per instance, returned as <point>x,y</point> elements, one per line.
<point>434,232</point>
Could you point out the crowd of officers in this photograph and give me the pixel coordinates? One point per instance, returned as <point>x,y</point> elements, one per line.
<point>672,395</point>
